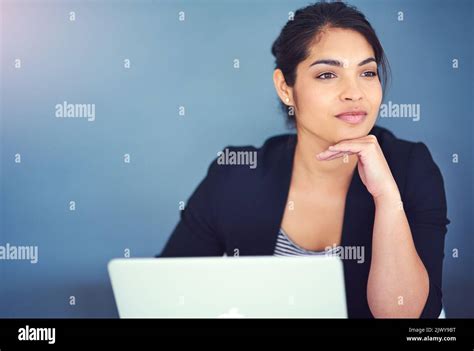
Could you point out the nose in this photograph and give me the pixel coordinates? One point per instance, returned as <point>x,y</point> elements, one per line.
<point>351,91</point>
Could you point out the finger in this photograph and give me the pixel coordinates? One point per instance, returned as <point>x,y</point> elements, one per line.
<point>338,155</point>
<point>333,157</point>
<point>326,153</point>
<point>350,147</point>
<point>330,152</point>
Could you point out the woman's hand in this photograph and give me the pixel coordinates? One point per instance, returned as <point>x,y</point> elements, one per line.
<point>372,166</point>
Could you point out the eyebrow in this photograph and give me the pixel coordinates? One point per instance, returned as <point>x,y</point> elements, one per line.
<point>338,63</point>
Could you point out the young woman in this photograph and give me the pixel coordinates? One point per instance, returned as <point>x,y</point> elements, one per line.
<point>339,183</point>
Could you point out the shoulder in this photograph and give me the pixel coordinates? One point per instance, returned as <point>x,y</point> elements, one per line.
<point>271,147</point>
<point>241,170</point>
<point>252,161</point>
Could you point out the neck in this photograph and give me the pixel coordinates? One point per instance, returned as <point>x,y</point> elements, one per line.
<point>309,168</point>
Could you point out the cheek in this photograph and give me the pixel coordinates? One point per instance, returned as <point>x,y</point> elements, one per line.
<point>314,99</point>
<point>374,95</point>
<point>374,98</point>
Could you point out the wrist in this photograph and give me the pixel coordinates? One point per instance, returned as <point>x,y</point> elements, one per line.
<point>391,196</point>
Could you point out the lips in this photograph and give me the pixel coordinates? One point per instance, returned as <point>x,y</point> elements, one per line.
<point>352,117</point>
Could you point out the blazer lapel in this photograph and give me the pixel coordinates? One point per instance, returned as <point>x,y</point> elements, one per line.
<point>273,195</point>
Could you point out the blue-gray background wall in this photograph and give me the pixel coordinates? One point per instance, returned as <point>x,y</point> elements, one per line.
<point>134,206</point>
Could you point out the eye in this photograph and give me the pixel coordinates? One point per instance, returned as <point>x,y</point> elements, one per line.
<point>325,75</point>
<point>371,74</point>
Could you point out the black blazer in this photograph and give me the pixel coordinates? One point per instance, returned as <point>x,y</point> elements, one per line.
<point>238,210</point>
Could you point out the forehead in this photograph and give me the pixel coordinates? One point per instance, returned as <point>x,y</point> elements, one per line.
<point>340,44</point>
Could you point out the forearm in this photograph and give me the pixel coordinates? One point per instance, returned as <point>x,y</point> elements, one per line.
<point>398,283</point>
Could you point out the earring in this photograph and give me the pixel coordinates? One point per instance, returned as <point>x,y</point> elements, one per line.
<point>287,100</point>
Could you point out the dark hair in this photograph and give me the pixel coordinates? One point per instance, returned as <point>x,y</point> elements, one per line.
<point>292,45</point>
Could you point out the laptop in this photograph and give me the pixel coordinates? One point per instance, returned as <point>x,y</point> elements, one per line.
<point>229,287</point>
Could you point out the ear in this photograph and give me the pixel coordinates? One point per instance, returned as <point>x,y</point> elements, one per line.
<point>284,91</point>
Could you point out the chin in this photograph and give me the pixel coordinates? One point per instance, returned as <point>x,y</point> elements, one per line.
<point>354,131</point>
<point>350,133</point>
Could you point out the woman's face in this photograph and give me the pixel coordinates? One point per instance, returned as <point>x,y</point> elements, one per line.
<point>347,82</point>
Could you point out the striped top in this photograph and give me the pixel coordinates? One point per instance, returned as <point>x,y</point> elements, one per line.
<point>287,247</point>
